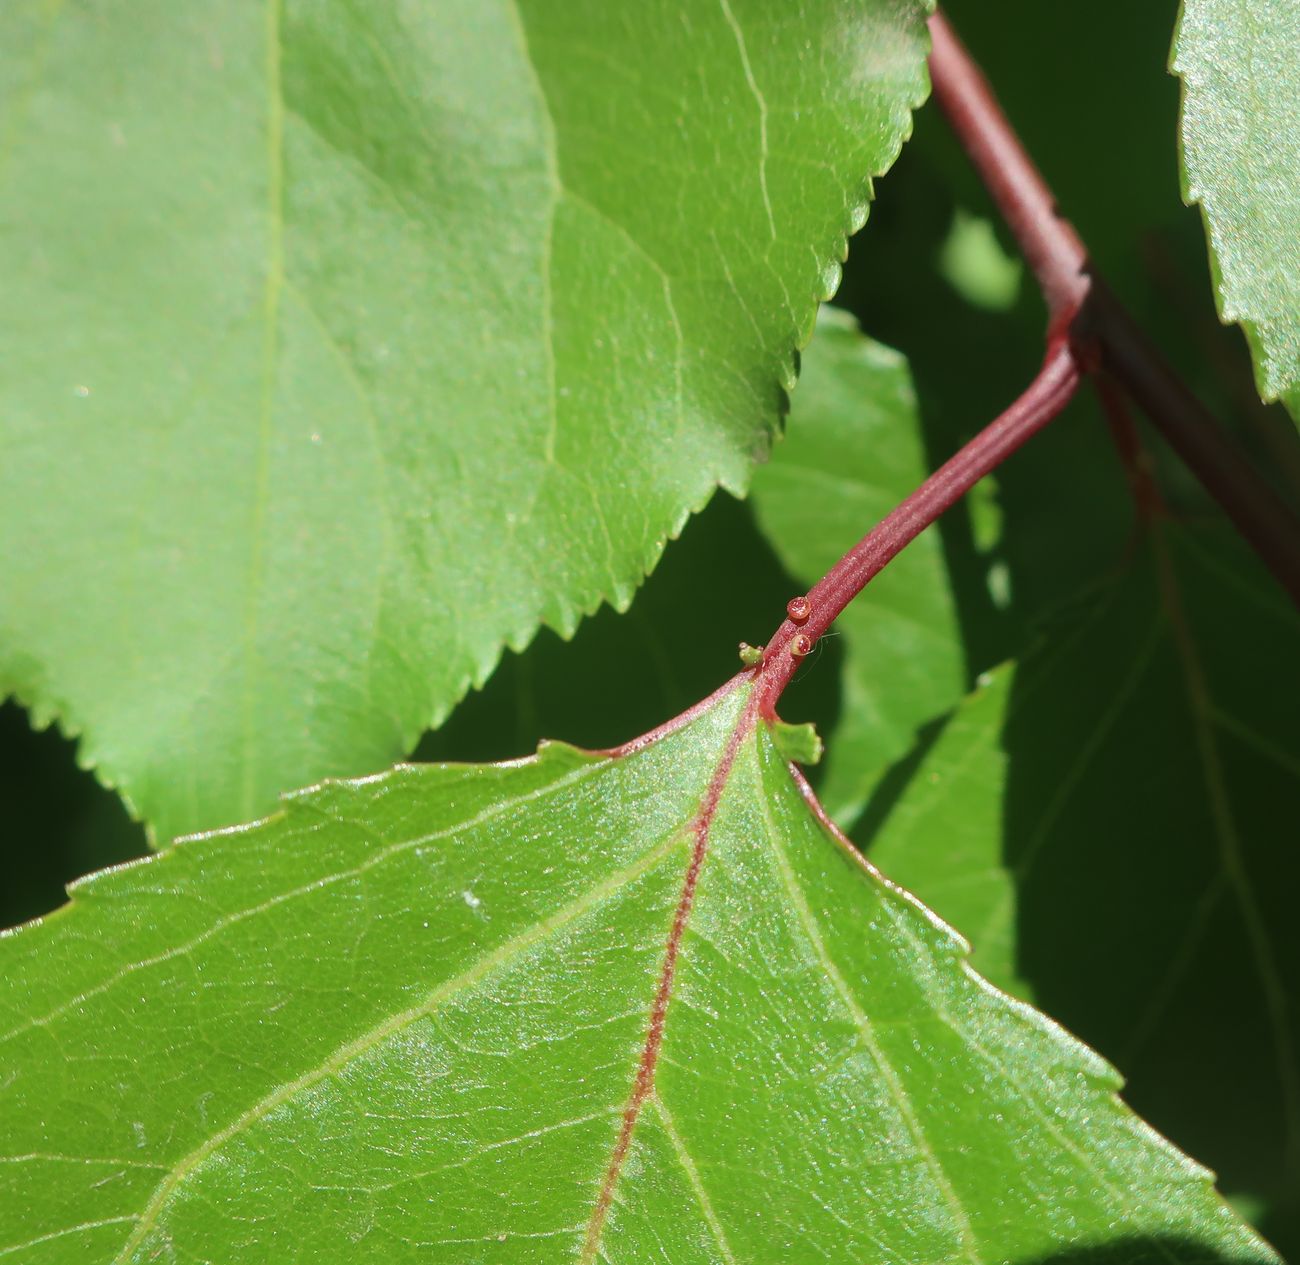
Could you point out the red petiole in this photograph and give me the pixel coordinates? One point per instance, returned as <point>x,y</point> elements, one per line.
<point>1088,331</point>
<point>1047,395</point>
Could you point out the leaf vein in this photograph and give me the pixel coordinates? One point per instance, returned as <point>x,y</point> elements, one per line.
<point>230,920</point>
<point>790,881</point>
<point>687,1161</point>
<point>498,959</point>
<point>761,102</point>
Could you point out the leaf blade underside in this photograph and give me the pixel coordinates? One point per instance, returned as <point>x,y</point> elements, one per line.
<point>407,1014</point>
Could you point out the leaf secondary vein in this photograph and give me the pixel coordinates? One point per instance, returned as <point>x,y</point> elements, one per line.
<point>761,102</point>
<point>488,964</point>
<point>790,881</point>
<point>1230,852</point>
<point>552,154</point>
<point>997,1068</point>
<point>687,1161</point>
<point>230,920</point>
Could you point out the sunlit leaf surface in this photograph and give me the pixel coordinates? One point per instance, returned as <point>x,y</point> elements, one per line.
<point>1241,163</point>
<point>344,344</point>
<point>637,1008</point>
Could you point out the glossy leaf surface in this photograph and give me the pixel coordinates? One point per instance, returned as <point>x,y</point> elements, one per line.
<point>411,1014</point>
<point>1108,823</point>
<point>1241,163</point>
<point>344,344</point>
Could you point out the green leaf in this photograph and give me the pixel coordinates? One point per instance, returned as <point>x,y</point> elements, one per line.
<point>974,263</point>
<point>800,744</point>
<point>1241,161</point>
<point>345,343</point>
<point>416,1015</point>
<point>1109,810</point>
<point>853,451</point>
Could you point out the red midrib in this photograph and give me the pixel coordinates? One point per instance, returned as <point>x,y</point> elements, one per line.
<point>643,1084</point>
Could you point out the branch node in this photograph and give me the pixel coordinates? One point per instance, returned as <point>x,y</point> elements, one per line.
<point>1082,309</point>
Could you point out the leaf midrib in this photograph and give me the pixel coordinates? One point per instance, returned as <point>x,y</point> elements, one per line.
<point>266,405</point>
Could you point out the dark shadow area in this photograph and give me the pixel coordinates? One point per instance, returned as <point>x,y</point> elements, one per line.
<point>1279,1223</point>
<point>1122,937</point>
<point>1154,1249</point>
<point>624,674</point>
<point>893,785</point>
<point>59,822</point>
<point>1101,123</point>
<point>1131,929</point>
<point>1138,876</point>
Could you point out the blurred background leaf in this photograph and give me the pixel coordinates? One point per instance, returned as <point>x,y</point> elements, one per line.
<point>1111,824</point>
<point>1241,162</point>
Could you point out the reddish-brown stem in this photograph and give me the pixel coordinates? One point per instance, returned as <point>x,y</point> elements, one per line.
<point>1050,245</point>
<point>1046,396</point>
<point>1078,301</point>
<point>1123,430</point>
<point>1262,517</point>
<point>1088,330</point>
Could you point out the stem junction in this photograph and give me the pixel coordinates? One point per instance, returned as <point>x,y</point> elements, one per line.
<point>1089,333</point>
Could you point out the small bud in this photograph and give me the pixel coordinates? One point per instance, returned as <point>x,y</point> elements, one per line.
<point>750,656</point>
<point>800,645</point>
<point>798,608</point>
